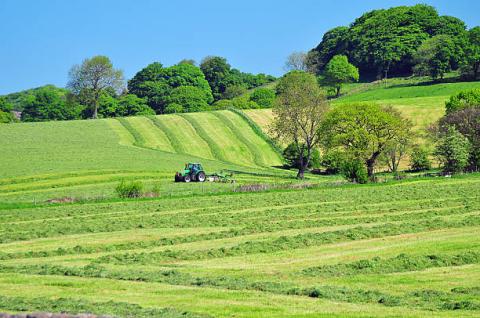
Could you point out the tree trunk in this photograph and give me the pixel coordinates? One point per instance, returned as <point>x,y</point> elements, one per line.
<point>301,173</point>
<point>338,91</point>
<point>371,164</point>
<point>95,111</point>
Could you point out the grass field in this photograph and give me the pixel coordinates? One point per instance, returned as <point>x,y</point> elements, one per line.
<point>322,248</point>
<point>406,249</point>
<point>88,158</point>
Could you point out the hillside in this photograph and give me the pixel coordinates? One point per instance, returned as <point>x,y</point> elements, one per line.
<point>422,102</point>
<point>87,158</point>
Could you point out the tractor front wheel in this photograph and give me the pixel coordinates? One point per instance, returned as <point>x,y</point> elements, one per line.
<point>201,176</point>
<point>187,178</point>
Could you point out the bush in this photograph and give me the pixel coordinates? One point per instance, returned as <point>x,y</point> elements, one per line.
<point>173,108</point>
<point>462,100</point>
<point>292,157</point>
<point>332,161</point>
<point>132,189</point>
<point>419,160</point>
<point>453,151</point>
<point>264,97</point>
<point>355,171</point>
<point>244,102</point>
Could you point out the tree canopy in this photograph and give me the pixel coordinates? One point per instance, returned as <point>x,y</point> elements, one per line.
<point>363,131</point>
<point>384,41</point>
<point>94,76</point>
<point>338,72</point>
<point>156,84</point>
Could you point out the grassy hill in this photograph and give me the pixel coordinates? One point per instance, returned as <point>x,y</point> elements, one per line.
<point>420,100</point>
<point>87,158</point>
<point>407,249</point>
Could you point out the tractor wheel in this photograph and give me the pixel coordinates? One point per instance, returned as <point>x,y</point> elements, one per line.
<point>187,178</point>
<point>201,176</point>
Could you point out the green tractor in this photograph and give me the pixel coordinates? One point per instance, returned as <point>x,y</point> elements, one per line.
<point>192,172</point>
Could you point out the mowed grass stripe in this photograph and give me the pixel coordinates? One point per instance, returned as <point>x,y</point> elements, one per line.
<point>184,134</point>
<point>227,144</point>
<point>295,242</point>
<point>261,151</point>
<point>172,139</point>
<point>202,132</point>
<point>151,136</point>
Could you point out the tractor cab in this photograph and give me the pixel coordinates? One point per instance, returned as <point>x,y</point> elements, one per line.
<point>192,172</point>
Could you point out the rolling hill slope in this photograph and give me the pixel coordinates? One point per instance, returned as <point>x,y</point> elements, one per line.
<point>51,159</point>
<point>422,102</point>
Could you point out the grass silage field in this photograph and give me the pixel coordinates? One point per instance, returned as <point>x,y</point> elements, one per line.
<point>400,249</point>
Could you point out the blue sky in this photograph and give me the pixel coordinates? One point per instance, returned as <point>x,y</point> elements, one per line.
<point>41,39</point>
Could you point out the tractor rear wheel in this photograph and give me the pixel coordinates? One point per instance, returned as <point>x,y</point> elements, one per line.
<point>187,178</point>
<point>201,176</point>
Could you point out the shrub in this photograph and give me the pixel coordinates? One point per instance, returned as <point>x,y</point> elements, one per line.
<point>291,155</point>
<point>173,108</point>
<point>462,100</point>
<point>244,102</point>
<point>419,160</point>
<point>332,161</point>
<point>355,171</point>
<point>222,104</point>
<point>453,151</point>
<point>132,189</point>
<point>264,97</point>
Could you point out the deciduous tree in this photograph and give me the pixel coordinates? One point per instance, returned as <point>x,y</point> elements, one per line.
<point>298,112</point>
<point>94,76</point>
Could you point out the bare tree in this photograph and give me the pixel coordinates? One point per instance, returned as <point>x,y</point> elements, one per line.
<point>298,113</point>
<point>297,61</point>
<point>92,77</point>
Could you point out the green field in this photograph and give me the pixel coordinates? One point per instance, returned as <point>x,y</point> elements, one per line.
<point>327,249</point>
<point>87,159</point>
<point>407,249</point>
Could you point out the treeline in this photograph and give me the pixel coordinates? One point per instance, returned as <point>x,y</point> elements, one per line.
<point>98,90</point>
<point>401,41</point>
<point>355,139</point>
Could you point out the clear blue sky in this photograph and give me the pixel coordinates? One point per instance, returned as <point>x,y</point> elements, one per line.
<point>41,39</point>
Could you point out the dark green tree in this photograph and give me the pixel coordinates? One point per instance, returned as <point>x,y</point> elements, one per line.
<point>435,57</point>
<point>217,71</point>
<point>49,104</point>
<point>192,99</point>
<point>156,84</point>
<point>472,53</point>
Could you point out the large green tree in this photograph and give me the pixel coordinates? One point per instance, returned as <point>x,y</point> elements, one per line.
<point>472,52</point>
<point>47,103</point>
<point>435,57</point>
<point>384,41</point>
<point>5,111</point>
<point>156,84</point>
<point>363,131</point>
<point>217,71</point>
<point>298,112</point>
<point>93,77</point>
<point>338,72</point>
